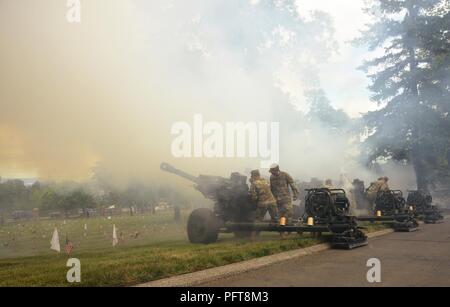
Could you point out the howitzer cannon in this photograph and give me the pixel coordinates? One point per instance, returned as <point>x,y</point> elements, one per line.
<point>230,196</point>
<point>326,205</point>
<point>390,207</point>
<point>331,207</point>
<point>234,213</point>
<point>421,202</point>
<point>390,202</point>
<point>231,204</point>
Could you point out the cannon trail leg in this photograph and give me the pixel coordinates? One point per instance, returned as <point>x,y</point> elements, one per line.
<point>349,239</point>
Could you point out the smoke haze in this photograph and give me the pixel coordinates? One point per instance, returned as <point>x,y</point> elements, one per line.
<point>107,91</point>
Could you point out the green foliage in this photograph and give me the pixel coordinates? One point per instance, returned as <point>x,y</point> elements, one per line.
<point>47,198</point>
<point>68,196</point>
<point>410,82</point>
<point>14,194</point>
<point>76,200</point>
<point>322,111</point>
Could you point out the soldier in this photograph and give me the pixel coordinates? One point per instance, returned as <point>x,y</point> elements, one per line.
<point>328,184</point>
<point>261,194</point>
<point>385,186</point>
<point>375,187</point>
<point>279,184</point>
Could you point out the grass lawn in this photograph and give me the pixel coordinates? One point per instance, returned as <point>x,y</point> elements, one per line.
<point>159,250</point>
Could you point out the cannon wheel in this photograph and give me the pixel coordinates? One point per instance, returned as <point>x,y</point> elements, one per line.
<point>203,226</point>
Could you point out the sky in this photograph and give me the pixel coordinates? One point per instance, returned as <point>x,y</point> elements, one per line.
<point>346,86</point>
<point>108,90</point>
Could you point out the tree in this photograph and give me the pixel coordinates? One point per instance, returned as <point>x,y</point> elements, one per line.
<point>47,199</point>
<point>77,200</point>
<point>322,112</point>
<point>435,41</point>
<point>15,195</point>
<point>409,84</point>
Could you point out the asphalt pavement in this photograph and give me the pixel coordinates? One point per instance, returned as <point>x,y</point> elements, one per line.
<point>420,258</point>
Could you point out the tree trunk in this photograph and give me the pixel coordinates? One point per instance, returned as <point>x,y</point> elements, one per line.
<point>417,151</point>
<point>420,168</point>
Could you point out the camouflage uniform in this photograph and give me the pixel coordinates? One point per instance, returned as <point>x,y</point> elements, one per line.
<point>375,187</point>
<point>261,195</point>
<point>328,184</point>
<point>279,185</point>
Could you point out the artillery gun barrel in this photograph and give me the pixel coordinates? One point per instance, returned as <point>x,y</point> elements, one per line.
<point>170,169</point>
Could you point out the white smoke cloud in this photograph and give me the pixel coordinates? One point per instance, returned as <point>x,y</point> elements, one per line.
<point>109,89</point>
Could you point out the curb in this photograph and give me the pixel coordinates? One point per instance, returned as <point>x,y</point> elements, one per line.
<point>208,275</point>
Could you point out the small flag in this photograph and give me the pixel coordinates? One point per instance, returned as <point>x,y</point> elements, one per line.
<point>55,241</point>
<point>69,246</point>
<point>136,234</point>
<point>115,240</point>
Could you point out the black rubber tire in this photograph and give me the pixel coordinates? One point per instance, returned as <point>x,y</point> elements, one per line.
<point>203,226</point>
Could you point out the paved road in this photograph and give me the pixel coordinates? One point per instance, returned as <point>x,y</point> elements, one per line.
<point>419,258</point>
